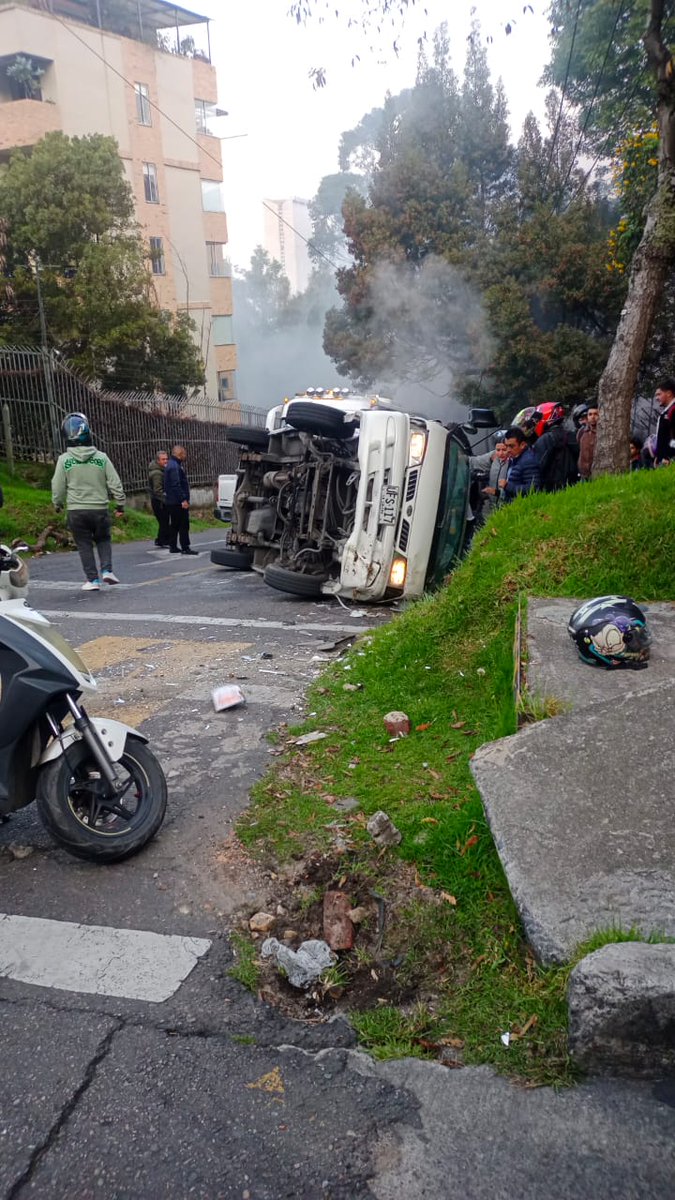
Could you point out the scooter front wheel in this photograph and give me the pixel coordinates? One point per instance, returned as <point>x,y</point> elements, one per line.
<point>72,802</point>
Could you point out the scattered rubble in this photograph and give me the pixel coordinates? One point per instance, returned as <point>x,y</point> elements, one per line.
<point>308,739</point>
<point>18,851</point>
<point>338,929</point>
<point>227,696</point>
<point>397,724</point>
<point>382,829</point>
<point>262,922</point>
<point>302,966</point>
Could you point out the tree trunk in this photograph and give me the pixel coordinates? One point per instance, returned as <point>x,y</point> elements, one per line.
<point>654,258</point>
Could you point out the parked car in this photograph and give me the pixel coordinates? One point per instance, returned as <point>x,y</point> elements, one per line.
<point>346,495</point>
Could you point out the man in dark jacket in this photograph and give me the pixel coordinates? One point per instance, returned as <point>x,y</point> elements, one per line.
<point>177,492</point>
<point>665,430</point>
<point>523,474</point>
<point>157,497</point>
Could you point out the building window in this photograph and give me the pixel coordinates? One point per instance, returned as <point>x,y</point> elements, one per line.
<point>213,199</point>
<point>150,183</point>
<point>143,110</point>
<point>157,256</point>
<point>218,264</point>
<point>221,330</point>
<point>204,115</point>
<point>226,386</point>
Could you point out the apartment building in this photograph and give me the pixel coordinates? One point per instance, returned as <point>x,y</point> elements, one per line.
<point>286,230</point>
<point>140,71</point>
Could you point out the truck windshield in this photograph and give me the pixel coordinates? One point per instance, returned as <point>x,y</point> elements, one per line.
<point>451,516</point>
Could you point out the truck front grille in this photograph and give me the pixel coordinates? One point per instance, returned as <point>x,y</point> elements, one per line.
<point>412,484</point>
<point>404,535</point>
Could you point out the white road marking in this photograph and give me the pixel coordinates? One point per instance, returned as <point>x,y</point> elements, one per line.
<point>226,622</point>
<point>96,959</point>
<point>64,585</point>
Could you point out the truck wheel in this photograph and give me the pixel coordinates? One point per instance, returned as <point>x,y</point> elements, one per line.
<point>237,560</point>
<point>67,790</point>
<point>318,418</point>
<point>247,435</point>
<point>295,582</point>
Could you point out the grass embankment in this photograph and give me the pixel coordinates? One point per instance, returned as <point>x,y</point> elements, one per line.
<point>28,509</point>
<point>448,663</point>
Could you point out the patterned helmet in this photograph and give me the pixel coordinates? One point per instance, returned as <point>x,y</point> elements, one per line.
<point>75,430</point>
<point>611,632</point>
<point>549,414</point>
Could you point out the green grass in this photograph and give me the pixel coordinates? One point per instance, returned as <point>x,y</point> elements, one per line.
<point>448,662</point>
<point>247,968</point>
<point>28,509</point>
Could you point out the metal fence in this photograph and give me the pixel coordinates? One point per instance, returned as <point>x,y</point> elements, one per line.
<point>36,392</point>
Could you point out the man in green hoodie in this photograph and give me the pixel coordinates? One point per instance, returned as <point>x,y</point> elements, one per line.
<point>83,481</point>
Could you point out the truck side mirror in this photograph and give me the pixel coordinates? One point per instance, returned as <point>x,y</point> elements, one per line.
<point>482,418</point>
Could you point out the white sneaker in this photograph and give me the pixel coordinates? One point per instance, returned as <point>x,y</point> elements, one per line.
<point>92,585</point>
<point>108,577</point>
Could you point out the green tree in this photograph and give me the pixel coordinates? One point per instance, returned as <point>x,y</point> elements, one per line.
<point>68,213</point>
<point>261,292</point>
<point>328,240</point>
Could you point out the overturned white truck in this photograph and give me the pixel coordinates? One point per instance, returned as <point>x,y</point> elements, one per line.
<point>346,495</point>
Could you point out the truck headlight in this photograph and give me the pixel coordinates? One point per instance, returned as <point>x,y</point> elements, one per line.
<point>418,445</point>
<point>399,570</point>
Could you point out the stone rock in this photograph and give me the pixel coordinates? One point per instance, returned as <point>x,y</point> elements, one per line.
<point>302,966</point>
<point>262,922</point>
<point>382,829</point>
<point>18,851</point>
<point>357,915</point>
<point>308,739</point>
<point>622,1009</point>
<point>397,724</point>
<point>337,926</point>
<point>289,935</point>
<point>347,805</point>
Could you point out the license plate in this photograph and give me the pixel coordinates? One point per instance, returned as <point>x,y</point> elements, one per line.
<point>389,506</point>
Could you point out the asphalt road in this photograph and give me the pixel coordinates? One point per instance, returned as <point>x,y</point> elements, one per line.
<point>209,1093</point>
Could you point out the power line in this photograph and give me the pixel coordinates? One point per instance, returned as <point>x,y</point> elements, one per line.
<point>562,96</point>
<point>561,192</point>
<point>189,136</point>
<point>602,153</point>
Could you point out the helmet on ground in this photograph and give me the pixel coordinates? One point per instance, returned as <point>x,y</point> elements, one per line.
<point>550,414</point>
<point>76,430</point>
<point>578,413</point>
<point>611,632</point>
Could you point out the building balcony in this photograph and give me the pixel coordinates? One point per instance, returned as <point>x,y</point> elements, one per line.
<point>25,122</point>
<point>164,25</point>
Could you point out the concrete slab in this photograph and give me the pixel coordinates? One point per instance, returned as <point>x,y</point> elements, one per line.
<point>581,809</point>
<point>555,670</point>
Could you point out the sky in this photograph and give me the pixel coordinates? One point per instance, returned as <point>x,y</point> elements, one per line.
<point>263,59</point>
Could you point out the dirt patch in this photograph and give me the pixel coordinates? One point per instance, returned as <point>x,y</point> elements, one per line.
<point>385,965</point>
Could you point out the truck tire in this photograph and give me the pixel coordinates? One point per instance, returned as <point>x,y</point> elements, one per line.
<point>236,560</point>
<point>295,582</point>
<point>309,417</point>
<point>247,435</point>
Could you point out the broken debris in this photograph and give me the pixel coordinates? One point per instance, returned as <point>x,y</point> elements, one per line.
<point>382,829</point>
<point>338,929</point>
<point>227,696</point>
<point>262,922</point>
<point>397,724</point>
<point>308,739</point>
<point>302,966</point>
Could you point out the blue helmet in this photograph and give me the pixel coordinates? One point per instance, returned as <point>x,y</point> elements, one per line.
<point>611,632</point>
<point>76,430</point>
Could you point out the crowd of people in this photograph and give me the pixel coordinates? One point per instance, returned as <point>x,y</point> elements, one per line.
<point>84,483</point>
<point>544,449</point>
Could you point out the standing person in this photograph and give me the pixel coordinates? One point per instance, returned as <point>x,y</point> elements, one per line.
<point>158,498</point>
<point>523,474</point>
<point>83,481</point>
<point>495,462</point>
<point>665,430</point>
<point>636,449</point>
<point>557,452</point>
<point>587,442</point>
<point>177,492</point>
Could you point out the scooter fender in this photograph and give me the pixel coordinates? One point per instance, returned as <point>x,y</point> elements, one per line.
<point>113,734</point>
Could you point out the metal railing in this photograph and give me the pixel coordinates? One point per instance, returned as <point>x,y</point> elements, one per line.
<point>36,393</point>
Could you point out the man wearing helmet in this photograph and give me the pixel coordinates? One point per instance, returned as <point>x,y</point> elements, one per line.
<point>83,481</point>
<point>556,451</point>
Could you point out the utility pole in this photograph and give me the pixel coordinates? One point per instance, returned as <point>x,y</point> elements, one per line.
<point>47,365</point>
